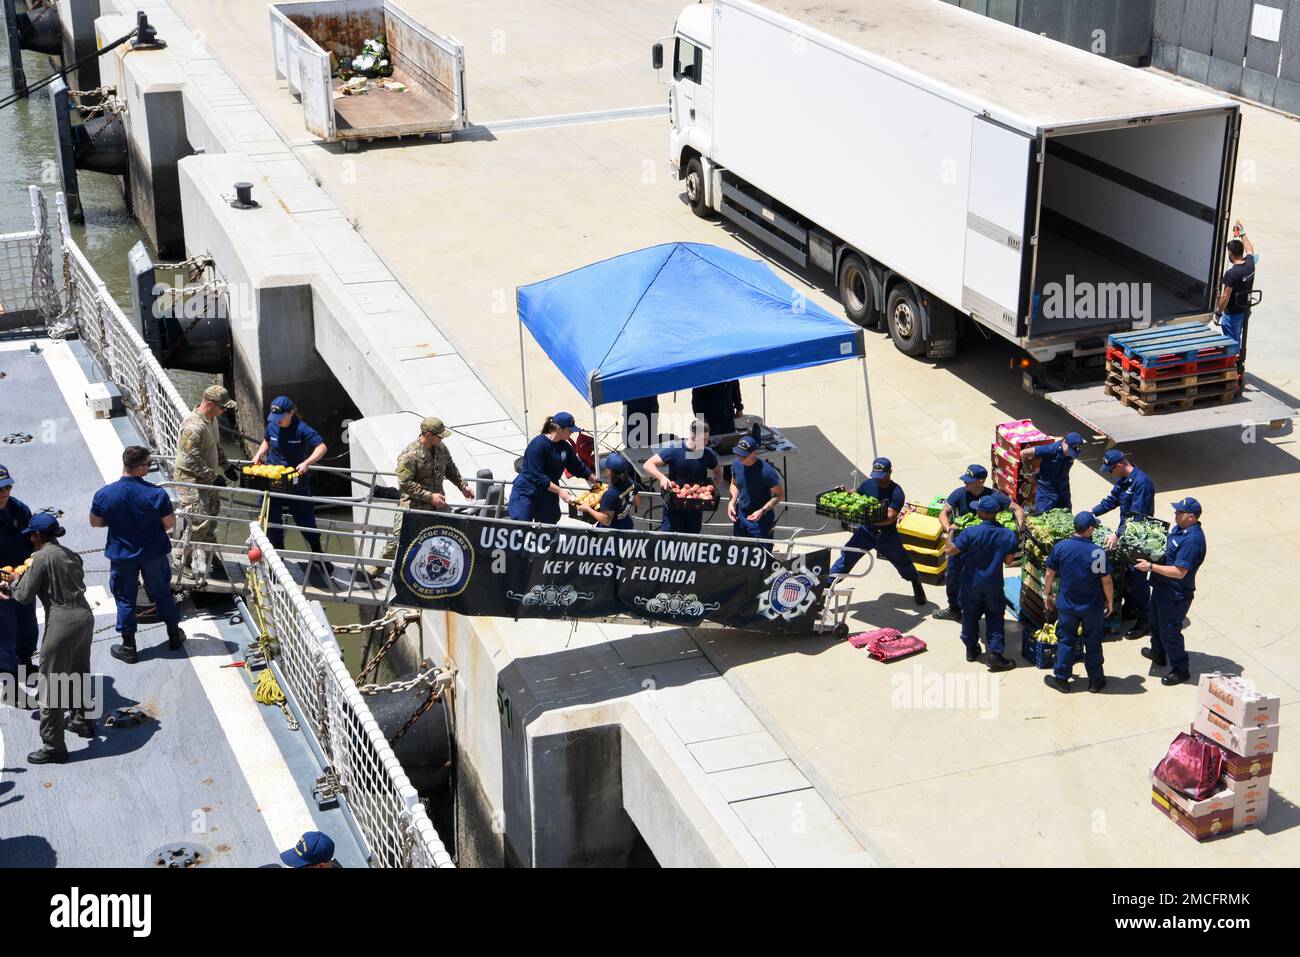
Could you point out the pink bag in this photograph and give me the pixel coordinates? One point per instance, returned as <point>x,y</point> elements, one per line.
<point>893,647</point>
<point>1192,766</point>
<point>867,637</point>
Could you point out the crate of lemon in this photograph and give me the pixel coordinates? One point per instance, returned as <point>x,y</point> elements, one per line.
<point>268,478</point>
<point>591,500</point>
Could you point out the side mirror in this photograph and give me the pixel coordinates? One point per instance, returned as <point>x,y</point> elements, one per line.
<point>657,56</point>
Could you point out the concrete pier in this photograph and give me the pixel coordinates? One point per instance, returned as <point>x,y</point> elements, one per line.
<point>396,267</point>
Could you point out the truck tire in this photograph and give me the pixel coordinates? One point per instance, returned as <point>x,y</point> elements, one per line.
<point>695,188</point>
<point>905,322</point>
<point>856,293</point>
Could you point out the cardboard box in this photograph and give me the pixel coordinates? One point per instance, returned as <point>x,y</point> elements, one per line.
<point>1250,813</point>
<point>1250,791</point>
<point>1239,767</point>
<point>1220,800</point>
<point>1210,825</point>
<point>1237,699</point>
<point>1234,737</point>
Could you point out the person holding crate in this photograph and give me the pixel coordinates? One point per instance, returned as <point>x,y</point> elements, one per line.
<point>200,460</point>
<point>961,502</point>
<point>291,441</point>
<point>619,500</point>
<point>1173,584</point>
<point>1086,599</point>
<point>983,550</point>
<point>1054,462</point>
<point>690,464</point>
<point>756,490</point>
<point>536,493</point>
<point>882,535</point>
<point>1135,495</point>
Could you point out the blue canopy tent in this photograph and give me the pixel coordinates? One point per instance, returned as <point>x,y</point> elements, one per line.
<point>678,316</point>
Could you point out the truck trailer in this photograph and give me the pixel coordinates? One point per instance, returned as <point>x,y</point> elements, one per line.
<point>940,164</point>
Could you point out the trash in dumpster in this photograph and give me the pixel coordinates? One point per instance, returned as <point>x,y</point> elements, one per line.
<point>373,61</point>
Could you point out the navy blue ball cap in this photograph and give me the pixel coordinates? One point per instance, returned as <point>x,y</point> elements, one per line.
<point>1112,459</point>
<point>1085,520</point>
<point>43,522</point>
<point>988,503</point>
<point>615,462</point>
<point>881,468</point>
<point>565,420</point>
<point>746,445</point>
<point>1075,442</point>
<point>281,405</point>
<point>974,473</point>
<point>312,848</point>
<point>6,480</point>
<point>1188,504</point>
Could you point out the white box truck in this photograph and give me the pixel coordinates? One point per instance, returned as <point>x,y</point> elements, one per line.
<point>939,164</point>
<point>427,94</point>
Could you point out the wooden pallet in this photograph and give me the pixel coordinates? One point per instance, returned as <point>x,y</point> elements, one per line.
<point>1176,403</point>
<point>1206,382</point>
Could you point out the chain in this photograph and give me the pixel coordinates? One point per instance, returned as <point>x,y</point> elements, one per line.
<point>108,101</point>
<point>359,629</point>
<point>434,677</point>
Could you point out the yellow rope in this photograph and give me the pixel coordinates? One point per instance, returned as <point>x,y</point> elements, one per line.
<point>268,689</point>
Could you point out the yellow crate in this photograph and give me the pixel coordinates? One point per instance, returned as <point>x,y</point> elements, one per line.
<point>927,569</point>
<point>917,525</point>
<point>930,555</point>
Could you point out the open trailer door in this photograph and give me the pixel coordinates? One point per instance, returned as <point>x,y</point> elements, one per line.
<point>994,278</point>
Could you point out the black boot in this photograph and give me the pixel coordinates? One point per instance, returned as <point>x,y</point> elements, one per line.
<point>175,637</point>
<point>1095,685</point>
<point>82,727</point>
<point>1000,663</point>
<point>1157,658</point>
<point>973,652</point>
<point>918,593</point>
<point>126,650</point>
<point>1140,628</point>
<point>41,756</point>
<point>948,614</point>
<point>1175,678</point>
<point>1059,684</point>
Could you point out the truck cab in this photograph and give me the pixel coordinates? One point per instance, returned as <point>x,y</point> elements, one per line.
<point>690,102</point>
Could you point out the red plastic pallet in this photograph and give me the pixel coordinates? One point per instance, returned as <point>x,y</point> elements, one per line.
<point>1211,364</point>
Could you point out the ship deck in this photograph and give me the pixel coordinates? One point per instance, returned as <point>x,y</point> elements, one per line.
<point>208,766</point>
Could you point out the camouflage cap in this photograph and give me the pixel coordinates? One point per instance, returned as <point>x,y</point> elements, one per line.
<point>219,395</point>
<point>434,425</point>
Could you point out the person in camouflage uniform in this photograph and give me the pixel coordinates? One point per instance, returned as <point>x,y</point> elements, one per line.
<point>201,460</point>
<point>422,468</point>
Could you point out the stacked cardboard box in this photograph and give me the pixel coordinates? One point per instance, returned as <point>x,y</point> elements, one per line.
<point>1243,723</point>
<point>1008,473</point>
<point>923,539</point>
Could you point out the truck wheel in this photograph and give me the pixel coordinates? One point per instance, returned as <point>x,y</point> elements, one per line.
<point>905,322</point>
<point>695,188</point>
<point>855,289</point>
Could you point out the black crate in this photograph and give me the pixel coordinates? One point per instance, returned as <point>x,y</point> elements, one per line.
<point>260,483</point>
<point>689,504</point>
<point>859,516</point>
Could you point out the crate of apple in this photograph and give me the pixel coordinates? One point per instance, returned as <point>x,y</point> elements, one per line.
<point>687,497</point>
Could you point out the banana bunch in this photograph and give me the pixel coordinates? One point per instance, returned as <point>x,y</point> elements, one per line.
<point>274,472</point>
<point>11,573</point>
<point>1046,634</point>
<point>592,499</point>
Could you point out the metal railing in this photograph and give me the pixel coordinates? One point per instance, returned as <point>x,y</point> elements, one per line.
<point>361,766</point>
<point>306,659</point>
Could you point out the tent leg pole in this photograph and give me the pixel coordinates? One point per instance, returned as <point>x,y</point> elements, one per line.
<point>871,418</point>
<point>763,405</point>
<point>523,378</point>
<point>595,443</point>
